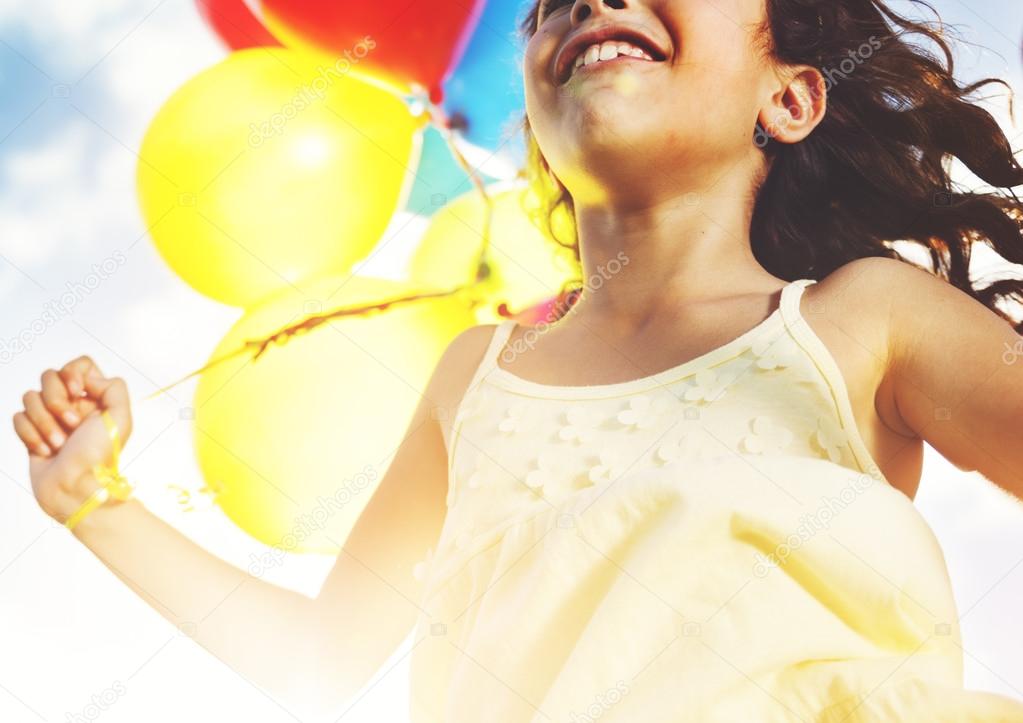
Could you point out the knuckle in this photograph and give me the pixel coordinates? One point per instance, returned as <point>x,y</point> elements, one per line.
<point>52,398</point>
<point>67,484</point>
<point>26,431</point>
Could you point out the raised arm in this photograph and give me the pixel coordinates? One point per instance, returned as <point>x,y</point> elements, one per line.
<point>312,653</point>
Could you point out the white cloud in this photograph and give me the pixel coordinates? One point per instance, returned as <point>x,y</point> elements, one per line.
<point>82,31</point>
<point>54,204</point>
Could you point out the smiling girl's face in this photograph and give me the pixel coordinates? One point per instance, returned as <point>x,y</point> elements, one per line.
<point>676,119</point>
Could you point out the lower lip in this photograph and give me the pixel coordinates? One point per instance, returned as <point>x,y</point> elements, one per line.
<point>586,69</point>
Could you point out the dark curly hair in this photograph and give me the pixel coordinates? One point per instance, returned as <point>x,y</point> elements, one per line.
<point>877,168</point>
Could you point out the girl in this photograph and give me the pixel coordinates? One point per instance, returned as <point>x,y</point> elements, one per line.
<point>690,498</point>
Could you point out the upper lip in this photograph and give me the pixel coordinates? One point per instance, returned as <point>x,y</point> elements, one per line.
<point>616,31</point>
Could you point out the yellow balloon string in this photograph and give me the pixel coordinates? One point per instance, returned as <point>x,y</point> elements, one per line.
<point>112,483</point>
<point>428,113</point>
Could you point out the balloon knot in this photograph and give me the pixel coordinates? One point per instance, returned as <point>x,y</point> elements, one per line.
<point>458,121</point>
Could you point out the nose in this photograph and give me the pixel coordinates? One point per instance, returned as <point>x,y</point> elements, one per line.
<point>583,9</point>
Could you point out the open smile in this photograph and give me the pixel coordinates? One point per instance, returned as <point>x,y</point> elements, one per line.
<point>606,44</point>
<point>606,55</point>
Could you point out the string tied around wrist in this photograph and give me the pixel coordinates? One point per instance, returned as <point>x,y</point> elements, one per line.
<point>113,485</point>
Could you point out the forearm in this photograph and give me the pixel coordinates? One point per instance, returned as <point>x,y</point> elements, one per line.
<point>314,654</point>
<point>260,630</point>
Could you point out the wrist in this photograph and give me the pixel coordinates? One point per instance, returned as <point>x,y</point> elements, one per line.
<point>97,517</point>
<point>102,520</point>
<point>108,487</point>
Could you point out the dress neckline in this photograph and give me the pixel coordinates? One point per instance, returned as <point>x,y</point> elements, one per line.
<point>788,305</point>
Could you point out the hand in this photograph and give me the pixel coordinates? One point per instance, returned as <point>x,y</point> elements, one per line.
<point>65,436</point>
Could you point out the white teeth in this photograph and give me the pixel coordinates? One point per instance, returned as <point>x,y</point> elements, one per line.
<point>609,51</point>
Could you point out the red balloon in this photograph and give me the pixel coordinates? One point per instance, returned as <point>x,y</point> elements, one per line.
<point>409,41</point>
<point>235,23</point>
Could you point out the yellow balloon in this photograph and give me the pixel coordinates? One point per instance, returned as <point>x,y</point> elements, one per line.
<point>526,265</point>
<point>294,443</point>
<point>268,169</point>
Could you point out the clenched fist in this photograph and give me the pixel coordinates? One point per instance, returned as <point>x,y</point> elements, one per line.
<point>65,436</point>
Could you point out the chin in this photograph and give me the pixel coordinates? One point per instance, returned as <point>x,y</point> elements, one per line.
<point>606,121</point>
<point>616,146</point>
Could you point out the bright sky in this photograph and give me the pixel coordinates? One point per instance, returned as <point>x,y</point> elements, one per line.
<point>80,82</point>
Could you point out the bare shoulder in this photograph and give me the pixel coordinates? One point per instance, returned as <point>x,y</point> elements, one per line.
<point>858,298</point>
<point>855,312</point>
<point>897,282</point>
<point>459,361</point>
<point>874,276</point>
<point>455,369</point>
<point>953,377</point>
<point>904,300</point>
<point>906,319</point>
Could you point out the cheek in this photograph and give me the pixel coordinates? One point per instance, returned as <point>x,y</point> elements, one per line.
<point>540,95</point>
<point>537,57</point>
<point>718,81</point>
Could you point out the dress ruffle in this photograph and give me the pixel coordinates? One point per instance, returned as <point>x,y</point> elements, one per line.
<point>793,590</point>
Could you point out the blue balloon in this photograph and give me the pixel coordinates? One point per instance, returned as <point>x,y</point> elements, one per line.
<point>485,88</point>
<point>439,178</point>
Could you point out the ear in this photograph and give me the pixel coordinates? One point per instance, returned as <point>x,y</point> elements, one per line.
<point>796,106</point>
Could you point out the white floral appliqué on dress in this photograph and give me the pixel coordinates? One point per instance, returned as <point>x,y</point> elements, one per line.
<point>711,543</point>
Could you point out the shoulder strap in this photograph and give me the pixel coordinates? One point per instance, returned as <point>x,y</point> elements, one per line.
<point>830,372</point>
<point>500,336</point>
<point>791,295</point>
<point>489,361</point>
